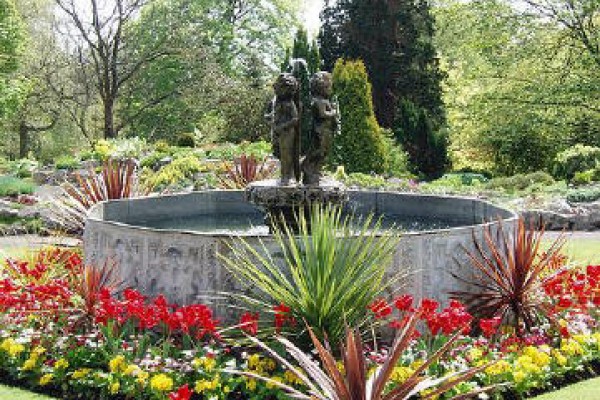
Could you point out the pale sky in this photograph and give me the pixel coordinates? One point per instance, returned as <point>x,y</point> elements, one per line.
<point>312,8</point>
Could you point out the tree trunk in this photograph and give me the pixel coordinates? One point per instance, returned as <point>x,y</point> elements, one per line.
<point>23,140</point>
<point>109,123</point>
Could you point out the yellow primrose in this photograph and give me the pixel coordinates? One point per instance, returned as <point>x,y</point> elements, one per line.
<point>519,376</point>
<point>204,384</point>
<point>61,364</point>
<point>81,373</point>
<point>142,377</point>
<point>117,364</point>
<point>206,363</point>
<point>571,347</point>
<point>292,378</point>
<point>29,364</point>
<point>131,370</point>
<point>254,361</point>
<point>475,353</point>
<point>401,374</point>
<point>38,351</point>
<point>114,388</point>
<point>46,379</point>
<point>559,357</point>
<point>498,368</point>
<point>161,383</point>
<point>11,347</point>
<point>251,384</point>
<point>271,384</point>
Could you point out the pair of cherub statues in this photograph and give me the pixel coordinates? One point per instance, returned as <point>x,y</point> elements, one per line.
<point>286,128</point>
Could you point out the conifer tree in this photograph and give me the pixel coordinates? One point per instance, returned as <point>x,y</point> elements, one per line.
<point>394,38</point>
<point>359,147</point>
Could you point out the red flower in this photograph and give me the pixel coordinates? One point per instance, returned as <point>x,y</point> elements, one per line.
<point>249,323</point>
<point>380,308</point>
<point>429,306</point>
<point>404,302</point>
<point>183,393</point>
<point>282,316</point>
<point>489,326</point>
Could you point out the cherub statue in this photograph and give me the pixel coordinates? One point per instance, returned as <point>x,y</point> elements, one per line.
<point>325,116</point>
<point>285,127</point>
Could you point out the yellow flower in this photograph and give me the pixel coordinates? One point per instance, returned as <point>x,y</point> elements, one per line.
<point>142,377</point>
<point>206,363</point>
<point>292,378</point>
<point>560,358</point>
<point>401,374</point>
<point>29,364</point>
<point>498,368</point>
<point>340,367</point>
<point>254,361</point>
<point>61,364</point>
<point>131,370</point>
<point>204,384</point>
<point>581,339</point>
<point>571,347</point>
<point>38,351</point>
<point>226,389</point>
<point>475,353</point>
<point>11,347</point>
<point>46,379</point>
<point>519,376</point>
<point>114,388</point>
<point>117,364</point>
<point>269,364</point>
<point>251,384</point>
<point>271,384</point>
<point>161,383</point>
<point>81,373</point>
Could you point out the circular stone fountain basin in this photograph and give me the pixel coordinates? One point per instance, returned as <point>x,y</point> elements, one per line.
<point>169,244</point>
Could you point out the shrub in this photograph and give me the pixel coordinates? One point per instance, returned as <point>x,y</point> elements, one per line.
<point>586,195</point>
<point>427,147</point>
<point>578,158</point>
<point>364,180</point>
<point>520,182</point>
<point>583,178</point>
<point>13,186</point>
<point>360,145</point>
<point>177,173</point>
<point>396,157</point>
<point>186,139</point>
<point>331,270</point>
<point>66,162</point>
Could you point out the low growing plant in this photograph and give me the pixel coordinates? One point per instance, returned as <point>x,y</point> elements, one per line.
<point>13,186</point>
<point>328,273</point>
<point>246,169</point>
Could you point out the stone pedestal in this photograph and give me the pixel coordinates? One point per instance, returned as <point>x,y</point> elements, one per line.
<point>283,204</point>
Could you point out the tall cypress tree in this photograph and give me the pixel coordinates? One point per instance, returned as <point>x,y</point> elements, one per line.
<point>394,39</point>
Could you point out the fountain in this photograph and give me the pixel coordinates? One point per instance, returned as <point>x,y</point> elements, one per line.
<point>169,244</point>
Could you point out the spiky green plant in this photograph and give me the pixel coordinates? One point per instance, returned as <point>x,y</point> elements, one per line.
<point>325,381</point>
<point>328,274</point>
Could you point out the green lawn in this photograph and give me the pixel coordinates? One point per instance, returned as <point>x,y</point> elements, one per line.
<point>586,390</point>
<point>583,250</point>
<point>7,392</point>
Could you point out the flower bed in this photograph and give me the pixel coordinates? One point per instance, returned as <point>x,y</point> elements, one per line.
<point>65,332</point>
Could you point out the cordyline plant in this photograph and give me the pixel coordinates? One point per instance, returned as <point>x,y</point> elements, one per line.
<point>116,180</point>
<point>326,274</point>
<point>353,381</point>
<point>245,170</point>
<point>509,268</point>
<point>92,281</point>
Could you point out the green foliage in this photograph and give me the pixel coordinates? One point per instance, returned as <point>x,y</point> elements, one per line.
<point>229,151</point>
<point>516,93</point>
<point>427,147</point>
<point>305,50</point>
<point>578,158</point>
<point>12,35</point>
<point>520,181</point>
<point>583,177</point>
<point>66,162</point>
<point>13,186</point>
<point>330,272</point>
<point>176,174</point>
<point>364,180</point>
<point>186,139</point>
<point>396,157</point>
<point>360,145</point>
<point>583,195</point>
